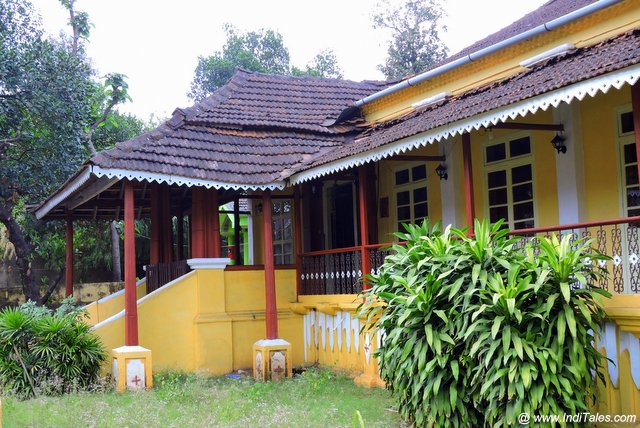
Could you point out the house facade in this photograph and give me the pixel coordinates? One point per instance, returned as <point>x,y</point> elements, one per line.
<point>270,199</point>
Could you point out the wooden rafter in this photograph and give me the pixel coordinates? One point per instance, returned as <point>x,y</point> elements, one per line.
<point>557,127</point>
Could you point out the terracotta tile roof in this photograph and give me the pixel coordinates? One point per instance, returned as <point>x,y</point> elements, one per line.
<point>233,138</point>
<point>220,155</point>
<point>549,11</point>
<point>263,100</point>
<point>555,73</point>
<point>256,129</point>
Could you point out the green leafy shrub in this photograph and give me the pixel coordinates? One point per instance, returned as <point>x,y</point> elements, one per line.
<point>46,352</point>
<point>479,330</point>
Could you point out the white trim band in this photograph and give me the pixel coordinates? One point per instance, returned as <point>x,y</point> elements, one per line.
<point>212,263</point>
<point>591,87</point>
<point>119,292</point>
<point>272,342</point>
<point>179,180</point>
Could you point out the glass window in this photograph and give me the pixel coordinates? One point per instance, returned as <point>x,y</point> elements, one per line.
<point>402,177</point>
<point>632,188</point>
<point>626,123</point>
<point>411,195</point>
<point>510,183</point>
<point>519,147</point>
<point>282,232</point>
<point>496,152</point>
<point>419,172</point>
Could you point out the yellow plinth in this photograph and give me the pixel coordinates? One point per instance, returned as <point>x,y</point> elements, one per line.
<point>272,359</point>
<point>132,368</point>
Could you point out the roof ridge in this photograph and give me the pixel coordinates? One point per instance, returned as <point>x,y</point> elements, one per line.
<point>520,25</point>
<point>182,115</point>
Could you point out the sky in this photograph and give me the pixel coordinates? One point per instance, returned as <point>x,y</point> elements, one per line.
<point>156,43</point>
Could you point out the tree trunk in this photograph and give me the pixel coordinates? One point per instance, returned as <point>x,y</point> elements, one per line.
<point>115,253</point>
<point>52,287</point>
<point>23,252</point>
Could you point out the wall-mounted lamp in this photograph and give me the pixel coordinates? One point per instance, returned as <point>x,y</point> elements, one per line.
<point>441,170</point>
<point>558,143</point>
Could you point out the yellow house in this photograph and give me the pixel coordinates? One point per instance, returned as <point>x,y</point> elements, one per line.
<point>534,124</point>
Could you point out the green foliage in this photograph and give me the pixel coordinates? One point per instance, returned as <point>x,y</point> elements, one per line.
<point>51,108</point>
<point>46,96</point>
<point>415,36</point>
<point>173,386</point>
<point>47,353</point>
<point>263,51</point>
<point>324,64</point>
<point>119,127</point>
<point>479,331</point>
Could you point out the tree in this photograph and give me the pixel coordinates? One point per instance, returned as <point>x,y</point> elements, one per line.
<point>50,106</point>
<point>415,36</point>
<point>324,64</point>
<point>263,51</point>
<point>45,96</point>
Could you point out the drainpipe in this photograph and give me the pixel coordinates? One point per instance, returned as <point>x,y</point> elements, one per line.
<point>474,56</point>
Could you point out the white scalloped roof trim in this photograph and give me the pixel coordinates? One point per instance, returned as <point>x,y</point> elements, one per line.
<point>66,192</point>
<point>143,176</point>
<point>577,91</point>
<point>179,180</point>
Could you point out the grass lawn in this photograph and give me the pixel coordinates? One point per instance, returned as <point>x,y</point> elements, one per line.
<point>317,398</point>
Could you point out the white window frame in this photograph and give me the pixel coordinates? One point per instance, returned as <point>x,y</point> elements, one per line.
<point>410,187</point>
<point>622,139</point>
<point>507,165</point>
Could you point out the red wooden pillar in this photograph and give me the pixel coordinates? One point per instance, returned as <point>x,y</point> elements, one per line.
<point>271,312</point>
<point>468,180</point>
<point>69,257</point>
<point>130,300</point>
<point>297,236</point>
<point>635,103</point>
<point>167,227</point>
<point>213,224</point>
<point>197,223</point>
<point>364,223</point>
<point>156,227</point>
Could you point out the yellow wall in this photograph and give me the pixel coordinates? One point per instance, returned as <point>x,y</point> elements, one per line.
<point>587,31</point>
<point>110,305</point>
<point>601,154</point>
<point>345,346</point>
<point>622,398</point>
<point>208,320</point>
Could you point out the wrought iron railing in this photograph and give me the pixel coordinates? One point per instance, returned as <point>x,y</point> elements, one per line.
<point>339,271</point>
<point>331,272</point>
<point>163,273</point>
<point>618,239</point>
